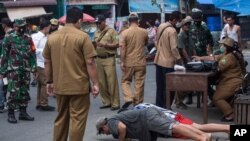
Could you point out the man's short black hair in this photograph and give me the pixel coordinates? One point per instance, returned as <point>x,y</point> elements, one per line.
<point>6,21</point>
<point>73,15</point>
<point>230,16</point>
<point>175,15</point>
<point>43,24</point>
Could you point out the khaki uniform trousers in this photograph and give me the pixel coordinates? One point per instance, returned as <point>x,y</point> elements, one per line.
<point>138,73</point>
<point>222,93</point>
<point>42,97</point>
<point>72,117</point>
<point>108,82</point>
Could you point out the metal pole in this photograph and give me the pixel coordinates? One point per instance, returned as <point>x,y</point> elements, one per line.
<point>221,17</point>
<point>162,11</point>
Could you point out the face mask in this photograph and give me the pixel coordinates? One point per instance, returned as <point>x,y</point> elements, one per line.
<point>178,25</point>
<point>222,50</point>
<point>197,23</point>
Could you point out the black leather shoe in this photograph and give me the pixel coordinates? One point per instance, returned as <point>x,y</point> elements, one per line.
<point>47,108</point>
<point>114,108</point>
<point>189,102</point>
<point>105,106</point>
<point>26,116</point>
<point>127,104</point>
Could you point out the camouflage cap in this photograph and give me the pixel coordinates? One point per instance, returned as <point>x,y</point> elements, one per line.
<point>188,19</point>
<point>54,21</point>
<point>227,41</point>
<point>20,22</point>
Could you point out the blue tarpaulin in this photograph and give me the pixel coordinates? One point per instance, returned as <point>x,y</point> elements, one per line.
<point>145,6</point>
<point>239,6</point>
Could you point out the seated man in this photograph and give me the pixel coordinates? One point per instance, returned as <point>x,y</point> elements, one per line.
<point>146,121</point>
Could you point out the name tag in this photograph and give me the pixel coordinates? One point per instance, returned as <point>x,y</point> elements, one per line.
<point>5,81</point>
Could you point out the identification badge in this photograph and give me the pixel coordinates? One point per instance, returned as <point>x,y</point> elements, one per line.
<point>5,81</point>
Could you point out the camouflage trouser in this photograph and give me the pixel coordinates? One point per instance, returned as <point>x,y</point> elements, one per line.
<point>18,87</point>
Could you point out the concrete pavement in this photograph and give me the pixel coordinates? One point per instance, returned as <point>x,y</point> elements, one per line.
<point>42,128</point>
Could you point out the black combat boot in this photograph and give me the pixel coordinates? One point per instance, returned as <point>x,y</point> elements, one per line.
<point>190,99</point>
<point>24,115</point>
<point>11,116</point>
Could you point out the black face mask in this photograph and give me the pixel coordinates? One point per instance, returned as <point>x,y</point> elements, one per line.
<point>197,23</point>
<point>21,30</point>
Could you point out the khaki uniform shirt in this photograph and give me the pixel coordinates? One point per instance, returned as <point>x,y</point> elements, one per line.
<point>230,70</point>
<point>167,53</point>
<point>134,39</point>
<point>68,49</point>
<point>110,36</point>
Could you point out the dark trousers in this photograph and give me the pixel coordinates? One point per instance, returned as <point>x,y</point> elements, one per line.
<point>161,86</point>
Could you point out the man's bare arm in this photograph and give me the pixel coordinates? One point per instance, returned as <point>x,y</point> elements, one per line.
<point>185,55</point>
<point>122,131</point>
<point>91,68</point>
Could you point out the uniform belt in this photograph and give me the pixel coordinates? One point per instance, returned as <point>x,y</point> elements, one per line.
<point>105,56</point>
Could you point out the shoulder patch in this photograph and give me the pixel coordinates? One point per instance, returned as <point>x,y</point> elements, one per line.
<point>223,61</point>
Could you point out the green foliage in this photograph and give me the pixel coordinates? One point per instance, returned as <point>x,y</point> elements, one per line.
<point>154,2</point>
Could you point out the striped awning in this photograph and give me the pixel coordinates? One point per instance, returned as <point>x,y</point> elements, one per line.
<point>26,3</point>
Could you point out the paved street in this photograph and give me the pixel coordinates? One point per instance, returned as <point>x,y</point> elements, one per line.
<point>42,128</point>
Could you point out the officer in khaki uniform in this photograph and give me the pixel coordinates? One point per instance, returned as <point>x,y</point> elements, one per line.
<point>133,62</point>
<point>106,42</point>
<point>69,67</point>
<point>166,56</point>
<point>232,69</point>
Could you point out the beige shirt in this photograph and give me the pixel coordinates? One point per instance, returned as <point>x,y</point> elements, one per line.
<point>110,37</point>
<point>68,49</point>
<point>167,53</point>
<point>134,39</point>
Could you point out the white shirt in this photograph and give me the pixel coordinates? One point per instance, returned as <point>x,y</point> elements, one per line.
<point>39,40</point>
<point>230,33</point>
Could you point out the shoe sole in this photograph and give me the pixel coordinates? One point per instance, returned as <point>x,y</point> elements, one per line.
<point>11,121</point>
<point>26,119</point>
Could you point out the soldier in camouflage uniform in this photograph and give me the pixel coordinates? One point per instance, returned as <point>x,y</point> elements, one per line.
<point>18,61</point>
<point>202,39</point>
<point>201,35</point>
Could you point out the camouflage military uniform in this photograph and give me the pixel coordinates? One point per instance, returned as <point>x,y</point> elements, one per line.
<point>18,61</point>
<point>201,37</point>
